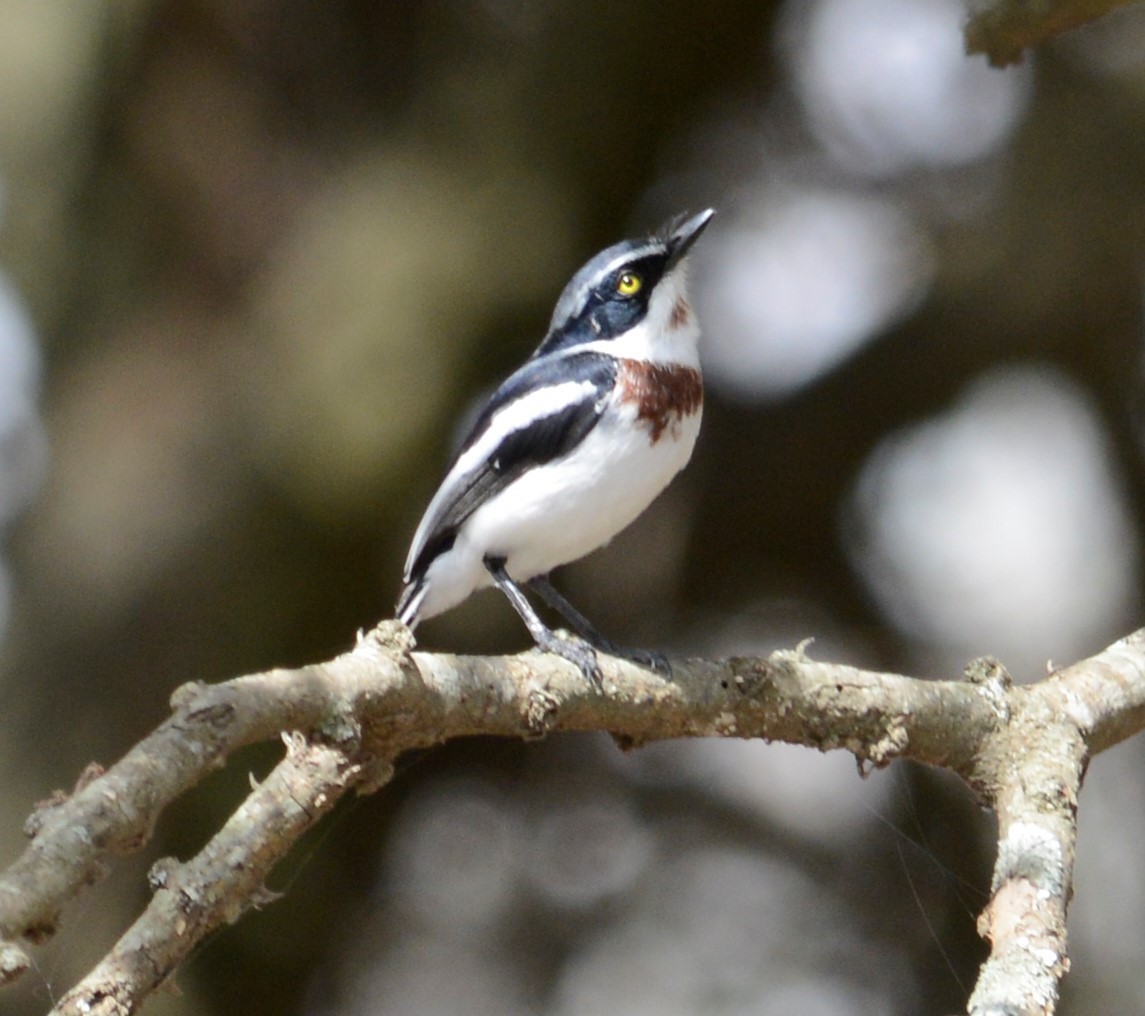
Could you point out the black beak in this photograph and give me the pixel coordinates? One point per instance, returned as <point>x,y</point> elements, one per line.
<point>682,234</point>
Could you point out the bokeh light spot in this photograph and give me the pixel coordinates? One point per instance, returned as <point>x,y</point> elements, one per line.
<point>887,85</point>
<point>801,282</point>
<point>1000,526</point>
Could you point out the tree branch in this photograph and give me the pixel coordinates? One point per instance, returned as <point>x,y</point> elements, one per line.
<point>1004,29</point>
<point>224,881</point>
<point>1024,749</point>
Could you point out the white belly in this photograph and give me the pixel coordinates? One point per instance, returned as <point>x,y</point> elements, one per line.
<point>561,511</point>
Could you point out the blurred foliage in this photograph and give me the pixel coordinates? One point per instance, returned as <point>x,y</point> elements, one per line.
<point>274,250</point>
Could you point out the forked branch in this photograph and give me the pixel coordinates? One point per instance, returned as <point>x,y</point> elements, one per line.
<point>345,722</point>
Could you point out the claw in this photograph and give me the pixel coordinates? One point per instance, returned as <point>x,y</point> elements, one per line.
<point>648,658</point>
<point>577,652</point>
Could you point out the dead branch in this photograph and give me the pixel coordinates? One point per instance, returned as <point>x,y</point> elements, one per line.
<point>1024,749</point>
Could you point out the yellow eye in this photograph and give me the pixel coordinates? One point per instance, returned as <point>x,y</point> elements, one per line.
<point>629,284</point>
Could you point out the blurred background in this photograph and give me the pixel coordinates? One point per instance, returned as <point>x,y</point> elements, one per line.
<point>257,259</point>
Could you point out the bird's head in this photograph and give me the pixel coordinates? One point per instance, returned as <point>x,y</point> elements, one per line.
<point>633,293</point>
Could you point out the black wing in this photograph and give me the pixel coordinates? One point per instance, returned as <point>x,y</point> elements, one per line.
<point>538,440</point>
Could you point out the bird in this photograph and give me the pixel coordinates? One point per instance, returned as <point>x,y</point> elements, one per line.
<point>572,447</point>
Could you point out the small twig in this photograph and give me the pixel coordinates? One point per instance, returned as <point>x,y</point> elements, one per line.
<point>1058,725</point>
<point>1004,29</point>
<point>73,838</point>
<point>226,879</point>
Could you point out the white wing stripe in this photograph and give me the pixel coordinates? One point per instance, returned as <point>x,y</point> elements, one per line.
<point>517,415</point>
<point>514,416</point>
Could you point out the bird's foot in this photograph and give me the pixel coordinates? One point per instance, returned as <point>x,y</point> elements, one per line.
<point>648,658</point>
<point>577,652</point>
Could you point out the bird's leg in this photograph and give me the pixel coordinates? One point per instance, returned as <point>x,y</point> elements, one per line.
<point>575,651</point>
<point>587,630</point>
<point>581,624</point>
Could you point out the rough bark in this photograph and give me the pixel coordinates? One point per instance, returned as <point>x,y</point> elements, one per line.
<point>344,722</point>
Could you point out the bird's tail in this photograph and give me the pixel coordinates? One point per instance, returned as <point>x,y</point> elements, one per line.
<point>410,600</point>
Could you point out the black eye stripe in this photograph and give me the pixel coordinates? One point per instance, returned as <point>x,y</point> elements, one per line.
<point>595,308</point>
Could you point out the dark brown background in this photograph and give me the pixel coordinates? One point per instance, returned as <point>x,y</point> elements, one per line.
<point>272,251</point>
